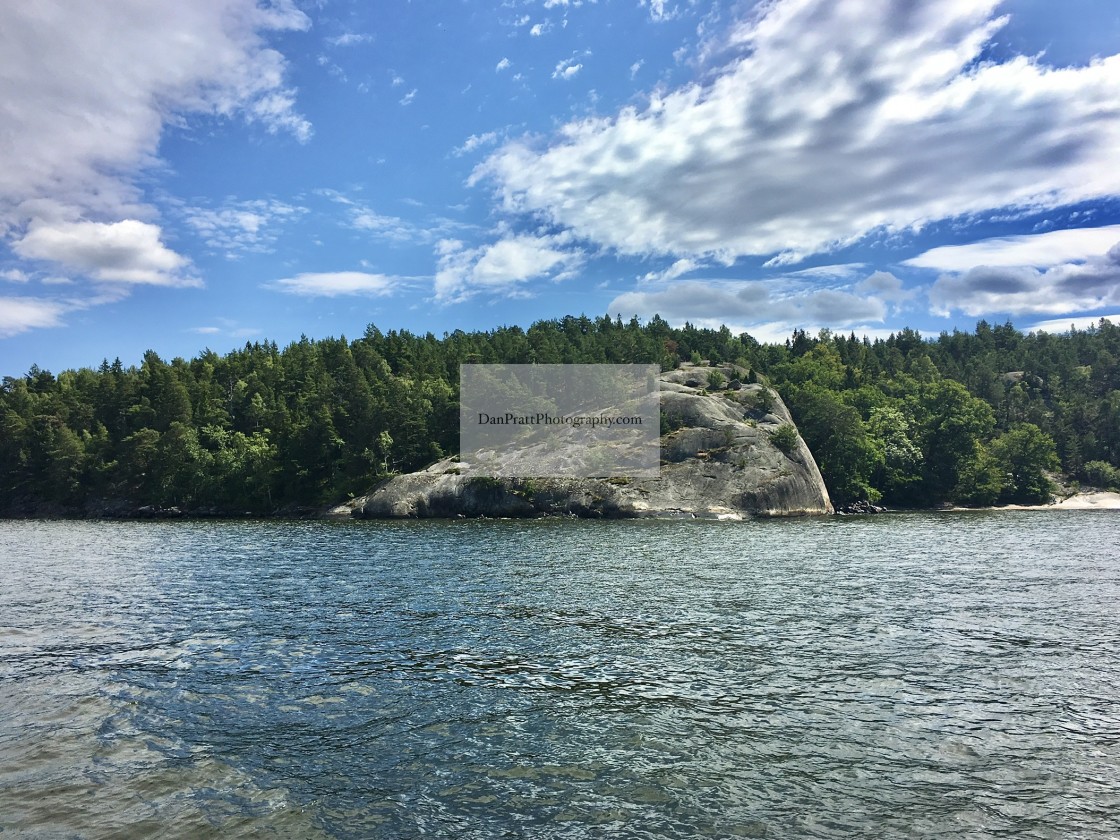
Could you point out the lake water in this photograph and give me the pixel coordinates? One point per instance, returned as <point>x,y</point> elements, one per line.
<point>904,675</point>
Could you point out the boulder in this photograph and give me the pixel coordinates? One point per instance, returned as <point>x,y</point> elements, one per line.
<point>718,462</point>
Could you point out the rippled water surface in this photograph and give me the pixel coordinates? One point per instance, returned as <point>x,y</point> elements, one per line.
<point>904,675</point>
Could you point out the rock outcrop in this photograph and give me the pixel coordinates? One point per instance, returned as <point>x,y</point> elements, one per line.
<point>727,452</point>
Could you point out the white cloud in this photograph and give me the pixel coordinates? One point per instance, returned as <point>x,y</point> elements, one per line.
<point>348,39</point>
<point>1038,249</point>
<point>809,140</point>
<point>476,141</point>
<point>228,327</point>
<point>1061,325</point>
<point>1018,290</point>
<point>408,97</point>
<point>504,64</point>
<point>14,275</point>
<point>85,90</point>
<point>391,228</point>
<point>677,269</point>
<point>20,314</point>
<point>885,286</point>
<point>636,66</point>
<point>242,226</point>
<point>566,69</point>
<point>539,29</point>
<point>502,266</point>
<point>335,283</point>
<point>657,10</point>
<point>1046,273</point>
<point>129,251</point>
<point>752,301</point>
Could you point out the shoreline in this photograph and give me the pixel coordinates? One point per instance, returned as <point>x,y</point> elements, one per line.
<point>1087,500</point>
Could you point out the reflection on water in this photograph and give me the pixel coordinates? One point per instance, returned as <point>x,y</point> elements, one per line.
<point>947,674</point>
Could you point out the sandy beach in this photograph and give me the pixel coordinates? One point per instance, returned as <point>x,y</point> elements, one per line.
<point>1090,500</point>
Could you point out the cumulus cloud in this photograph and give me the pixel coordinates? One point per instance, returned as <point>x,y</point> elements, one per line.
<point>1017,290</point>
<point>1047,273</point>
<point>805,141</point>
<point>336,283</point>
<point>752,302</point>
<point>504,64</point>
<point>14,275</point>
<point>20,314</point>
<point>85,93</point>
<point>85,90</point>
<point>118,252</point>
<point>502,266</point>
<point>885,286</point>
<point>567,69</point>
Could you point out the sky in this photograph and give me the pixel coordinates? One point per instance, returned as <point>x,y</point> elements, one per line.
<point>179,176</point>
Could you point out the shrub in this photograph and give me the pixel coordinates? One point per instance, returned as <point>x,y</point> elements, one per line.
<point>1101,474</point>
<point>785,437</point>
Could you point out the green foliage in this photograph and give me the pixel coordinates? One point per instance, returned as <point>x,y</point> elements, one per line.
<point>980,480</point>
<point>785,438</point>
<point>835,434</point>
<point>965,417</point>
<point>1101,474</point>
<point>716,380</point>
<point>1025,453</point>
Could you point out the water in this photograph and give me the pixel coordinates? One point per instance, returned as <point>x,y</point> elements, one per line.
<point>895,676</point>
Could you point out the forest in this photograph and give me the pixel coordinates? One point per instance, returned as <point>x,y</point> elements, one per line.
<point>964,418</point>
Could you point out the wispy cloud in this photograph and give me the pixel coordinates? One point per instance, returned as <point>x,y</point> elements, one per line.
<point>349,39</point>
<point>476,141</point>
<point>241,227</point>
<point>21,314</point>
<point>337,283</point>
<point>227,327</point>
<point>1061,325</point>
<point>1037,249</point>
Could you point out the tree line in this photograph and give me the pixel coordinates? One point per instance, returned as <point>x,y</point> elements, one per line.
<point>968,418</point>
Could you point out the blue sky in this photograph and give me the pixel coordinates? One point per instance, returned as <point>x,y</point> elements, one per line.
<point>177,176</point>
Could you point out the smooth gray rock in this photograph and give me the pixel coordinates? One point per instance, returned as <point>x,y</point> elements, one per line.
<point>717,462</point>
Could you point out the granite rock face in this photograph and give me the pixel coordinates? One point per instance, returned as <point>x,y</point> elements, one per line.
<point>719,460</point>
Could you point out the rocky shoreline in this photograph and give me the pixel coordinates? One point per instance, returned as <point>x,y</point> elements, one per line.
<point>729,450</point>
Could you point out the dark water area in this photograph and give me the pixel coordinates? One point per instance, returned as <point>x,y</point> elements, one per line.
<point>948,674</point>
